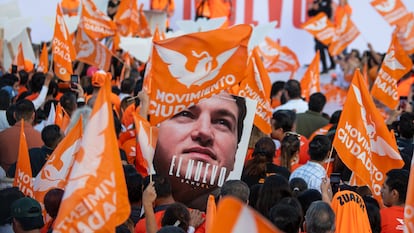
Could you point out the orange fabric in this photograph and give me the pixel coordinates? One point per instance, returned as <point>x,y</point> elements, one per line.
<point>394,12</point>
<point>350,212</point>
<point>23,178</point>
<point>303,152</point>
<point>321,27</point>
<point>95,54</point>
<point>203,8</point>
<point>97,168</point>
<point>211,212</point>
<point>409,202</point>
<point>127,18</point>
<point>341,11</point>
<point>21,90</point>
<point>221,8</point>
<point>191,75</point>
<point>19,58</point>
<point>32,96</point>
<point>395,65</point>
<point>95,22</point>
<point>62,48</point>
<point>43,60</point>
<point>404,87</point>
<point>70,7</point>
<point>321,131</point>
<point>278,58</point>
<point>235,216</point>
<point>62,118</point>
<point>257,86</point>
<point>345,32</point>
<point>275,103</point>
<point>391,220</point>
<point>56,169</point>
<point>164,5</point>
<point>362,139</point>
<point>310,83</point>
<point>144,30</point>
<point>405,33</point>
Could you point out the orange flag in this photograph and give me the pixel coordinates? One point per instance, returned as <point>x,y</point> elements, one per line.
<point>393,11</point>
<point>345,33</point>
<point>43,60</point>
<point>237,217</point>
<point>362,139</point>
<point>144,30</point>
<point>395,65</point>
<point>409,203</point>
<point>220,8</point>
<point>96,198</point>
<point>310,82</point>
<point>196,66</point>
<point>279,58</point>
<point>405,34</point>
<point>56,169</point>
<point>62,48</point>
<point>320,27</point>
<point>95,22</point>
<point>62,118</point>
<point>146,141</point>
<point>23,177</point>
<point>91,51</point>
<point>19,58</point>
<point>257,86</point>
<point>127,18</point>
<point>211,212</point>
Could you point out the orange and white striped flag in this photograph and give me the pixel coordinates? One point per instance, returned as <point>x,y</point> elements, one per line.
<point>62,48</point>
<point>362,138</point>
<point>144,30</point>
<point>96,198</point>
<point>127,18</point>
<point>23,178</point>
<point>395,65</point>
<point>91,51</point>
<point>211,212</point>
<point>233,216</point>
<point>19,58</point>
<point>393,11</point>
<point>56,169</point>
<point>43,60</point>
<point>405,34</point>
<point>62,118</point>
<point>95,22</point>
<point>345,32</point>
<point>146,136</point>
<point>320,27</point>
<point>409,203</point>
<point>310,82</point>
<point>194,67</point>
<point>257,86</point>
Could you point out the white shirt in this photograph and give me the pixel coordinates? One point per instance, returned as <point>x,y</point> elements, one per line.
<point>312,173</point>
<point>297,105</point>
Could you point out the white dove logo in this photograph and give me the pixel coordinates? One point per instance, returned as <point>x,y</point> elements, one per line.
<point>392,62</point>
<point>203,71</point>
<point>93,145</point>
<point>386,6</point>
<point>86,46</point>
<point>317,25</point>
<point>257,77</point>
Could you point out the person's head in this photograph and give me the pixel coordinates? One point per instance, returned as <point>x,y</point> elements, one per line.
<point>286,217</point>
<point>52,201</point>
<point>235,188</point>
<point>307,197</point>
<point>320,218</point>
<point>394,189</point>
<point>265,147</point>
<point>335,117</point>
<point>282,121</point>
<point>127,86</point>
<point>68,102</point>
<point>406,125</point>
<point>289,150</point>
<point>51,136</point>
<point>7,197</point>
<point>203,137</point>
<point>37,82</point>
<point>316,102</point>
<point>319,148</point>
<point>27,215</point>
<point>134,183</point>
<point>5,99</point>
<point>293,89</point>
<point>276,93</point>
<point>298,186</point>
<point>24,110</point>
<point>178,215</point>
<point>98,79</point>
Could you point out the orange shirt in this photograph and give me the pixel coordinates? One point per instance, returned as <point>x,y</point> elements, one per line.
<point>392,219</point>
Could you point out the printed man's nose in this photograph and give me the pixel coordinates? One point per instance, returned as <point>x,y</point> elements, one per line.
<point>202,131</point>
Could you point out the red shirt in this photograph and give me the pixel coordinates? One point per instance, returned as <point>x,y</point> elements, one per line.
<point>392,219</point>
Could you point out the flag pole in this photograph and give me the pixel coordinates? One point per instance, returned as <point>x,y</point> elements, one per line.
<point>329,159</point>
<point>150,165</point>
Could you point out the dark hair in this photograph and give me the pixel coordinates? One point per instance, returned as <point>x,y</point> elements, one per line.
<point>241,104</point>
<point>161,184</point>
<point>276,87</point>
<point>290,145</point>
<point>134,183</point>
<point>316,102</point>
<point>293,88</point>
<point>298,186</point>
<point>7,197</point>
<point>264,151</point>
<point>37,81</point>
<point>68,102</point>
<point>320,218</point>
<point>284,119</point>
<point>8,80</point>
<point>51,135</point>
<point>286,217</point>
<point>398,179</point>
<point>176,213</point>
<point>24,77</point>
<point>406,125</point>
<point>373,211</point>
<point>24,110</point>
<point>52,201</point>
<point>335,117</point>
<point>5,99</point>
<point>307,197</point>
<point>319,147</point>
<point>127,85</point>
<point>235,188</point>
<point>53,89</point>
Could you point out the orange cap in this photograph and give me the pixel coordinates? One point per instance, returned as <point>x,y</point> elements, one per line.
<point>98,78</point>
<point>28,66</point>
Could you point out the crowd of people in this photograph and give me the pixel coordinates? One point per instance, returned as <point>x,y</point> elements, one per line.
<point>285,175</point>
